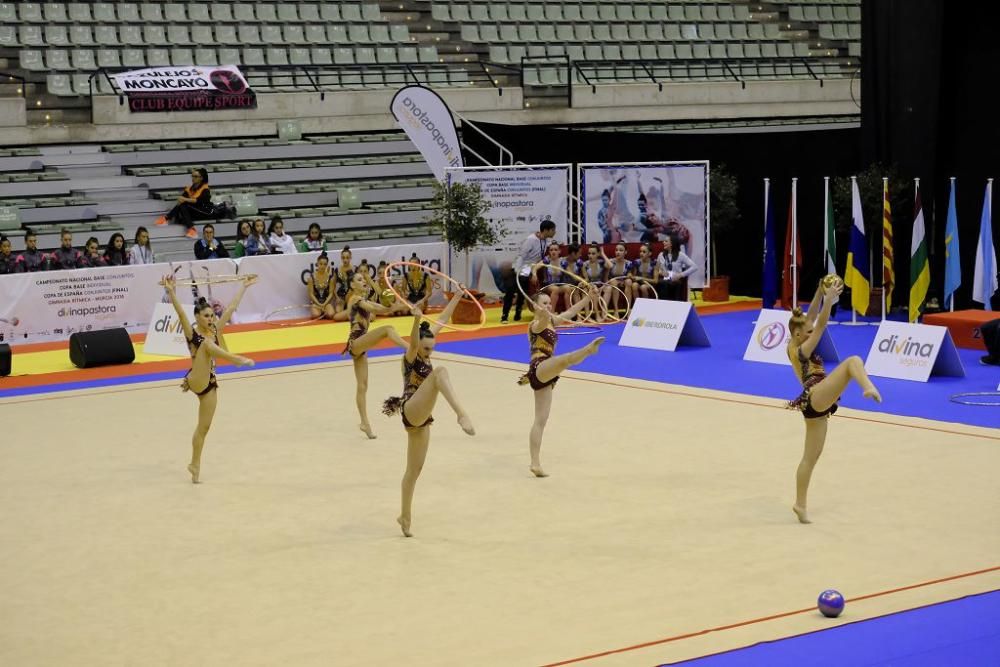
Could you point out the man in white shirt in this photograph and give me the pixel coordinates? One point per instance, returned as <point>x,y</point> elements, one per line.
<point>532,250</point>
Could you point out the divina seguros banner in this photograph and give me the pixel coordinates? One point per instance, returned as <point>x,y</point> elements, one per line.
<point>427,121</point>
<point>186,88</point>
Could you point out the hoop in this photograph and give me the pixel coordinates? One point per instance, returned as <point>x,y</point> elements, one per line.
<point>534,268</point>
<point>584,330</point>
<point>639,280</point>
<point>628,302</point>
<point>445,276</point>
<point>212,280</point>
<point>963,399</point>
<point>298,323</point>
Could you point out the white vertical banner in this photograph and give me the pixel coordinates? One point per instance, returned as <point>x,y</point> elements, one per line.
<point>632,202</point>
<point>521,198</point>
<point>427,121</point>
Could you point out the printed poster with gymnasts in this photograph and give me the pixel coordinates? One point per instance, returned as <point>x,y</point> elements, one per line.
<point>639,202</point>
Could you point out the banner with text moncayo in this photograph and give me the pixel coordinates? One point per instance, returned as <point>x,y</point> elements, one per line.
<point>186,89</point>
<point>521,198</point>
<point>427,121</point>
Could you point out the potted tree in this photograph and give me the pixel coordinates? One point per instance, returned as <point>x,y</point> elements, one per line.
<point>458,214</point>
<point>723,191</point>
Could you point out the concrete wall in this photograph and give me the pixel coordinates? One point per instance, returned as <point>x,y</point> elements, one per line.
<point>12,113</point>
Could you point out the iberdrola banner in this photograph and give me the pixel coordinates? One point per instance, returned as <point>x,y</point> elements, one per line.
<point>427,121</point>
<point>186,88</point>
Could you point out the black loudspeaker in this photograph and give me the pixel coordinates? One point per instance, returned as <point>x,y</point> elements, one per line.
<point>101,348</point>
<point>4,360</point>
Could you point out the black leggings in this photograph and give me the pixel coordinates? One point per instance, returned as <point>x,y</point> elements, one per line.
<point>186,214</point>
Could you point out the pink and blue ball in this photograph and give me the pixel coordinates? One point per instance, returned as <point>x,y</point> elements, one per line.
<point>830,603</point>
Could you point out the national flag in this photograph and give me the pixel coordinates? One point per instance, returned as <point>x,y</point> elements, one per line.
<point>920,268</point>
<point>888,274</point>
<point>769,291</point>
<point>857,276</point>
<point>792,260</point>
<point>984,281</point>
<point>831,235</point>
<point>952,261</point>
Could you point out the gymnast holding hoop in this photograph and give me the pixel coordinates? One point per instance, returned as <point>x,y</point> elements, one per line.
<point>545,367</point>
<point>322,289</point>
<point>361,339</point>
<point>820,392</point>
<point>206,344</point>
<point>421,385</point>
<point>548,276</point>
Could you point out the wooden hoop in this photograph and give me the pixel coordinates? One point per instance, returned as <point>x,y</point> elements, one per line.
<point>212,280</point>
<point>482,311</point>
<point>299,323</point>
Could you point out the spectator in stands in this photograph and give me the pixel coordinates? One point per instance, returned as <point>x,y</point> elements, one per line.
<point>314,239</point>
<point>32,259</point>
<point>142,249</point>
<point>115,253</point>
<point>242,233</point>
<point>208,247</point>
<point>672,270</point>
<point>92,256</point>
<point>8,261</point>
<point>66,256</point>
<point>256,242</point>
<point>194,203</point>
<point>281,243</point>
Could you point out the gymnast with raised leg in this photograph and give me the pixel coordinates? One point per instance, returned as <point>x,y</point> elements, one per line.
<point>421,385</point>
<point>820,392</point>
<point>545,367</point>
<point>206,344</point>
<point>362,311</point>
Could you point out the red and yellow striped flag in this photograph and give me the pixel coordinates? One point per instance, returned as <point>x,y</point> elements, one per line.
<point>888,275</point>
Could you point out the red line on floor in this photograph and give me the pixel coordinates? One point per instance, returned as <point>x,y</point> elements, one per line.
<point>763,619</point>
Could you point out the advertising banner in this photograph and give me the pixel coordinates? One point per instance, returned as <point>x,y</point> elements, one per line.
<point>165,335</point>
<point>193,88</point>
<point>913,352</point>
<point>635,202</point>
<point>663,325</point>
<point>521,198</point>
<point>769,342</point>
<point>427,121</point>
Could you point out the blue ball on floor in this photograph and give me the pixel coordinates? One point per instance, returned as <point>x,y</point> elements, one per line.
<point>830,603</point>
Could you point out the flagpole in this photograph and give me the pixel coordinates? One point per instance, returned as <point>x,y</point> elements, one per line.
<point>795,243</point>
<point>854,313</point>
<point>885,195</point>
<point>826,226</point>
<point>767,192</point>
<point>952,299</point>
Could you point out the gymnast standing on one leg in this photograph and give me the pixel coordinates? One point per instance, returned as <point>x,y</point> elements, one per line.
<point>820,392</point>
<point>205,343</point>
<point>421,385</point>
<point>360,340</point>
<point>544,370</point>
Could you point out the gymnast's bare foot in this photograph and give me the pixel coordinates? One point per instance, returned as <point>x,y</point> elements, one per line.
<point>195,471</point>
<point>367,430</point>
<point>594,344</point>
<point>801,513</point>
<point>538,472</point>
<point>466,424</point>
<point>873,394</point>
<point>404,525</point>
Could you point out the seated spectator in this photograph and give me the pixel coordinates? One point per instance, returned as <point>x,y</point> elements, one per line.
<point>195,203</point>
<point>92,256</point>
<point>115,253</point>
<point>66,256</point>
<point>256,242</point>
<point>314,240</point>
<point>142,250</point>
<point>672,270</point>
<point>32,259</point>
<point>242,233</point>
<point>208,247</point>
<point>281,242</point>
<point>8,260</point>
